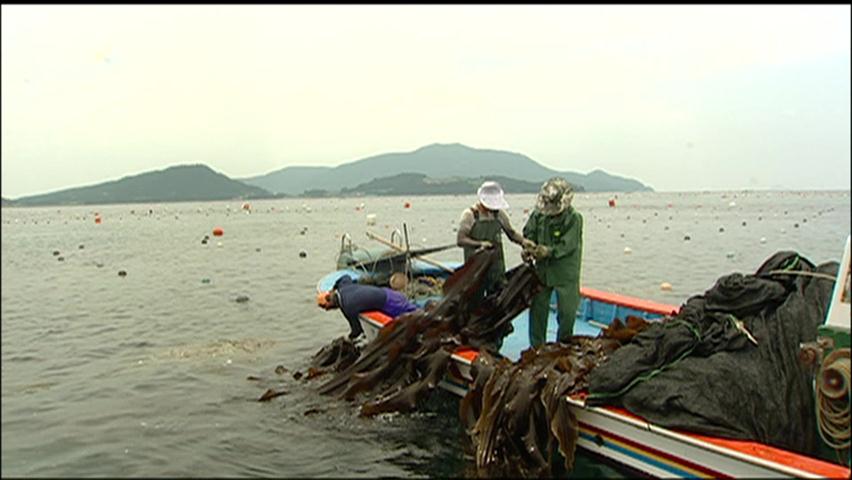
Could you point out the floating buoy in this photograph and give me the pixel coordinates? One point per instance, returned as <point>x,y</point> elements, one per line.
<point>257,249</point>
<point>80,246</point>
<point>242,299</point>
<point>218,232</point>
<point>97,219</point>
<point>762,239</point>
<point>744,223</point>
<point>303,254</point>
<point>205,280</point>
<point>732,204</point>
<point>611,202</point>
<point>795,225</point>
<point>666,287</point>
<point>55,253</point>
<point>246,206</point>
<point>687,238</point>
<point>721,229</point>
<point>730,255</point>
<point>407,205</point>
<point>122,273</point>
<point>371,219</point>
<point>219,244</point>
<point>627,250</point>
<point>61,259</point>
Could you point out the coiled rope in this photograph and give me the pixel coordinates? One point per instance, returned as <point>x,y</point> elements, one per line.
<point>833,397</point>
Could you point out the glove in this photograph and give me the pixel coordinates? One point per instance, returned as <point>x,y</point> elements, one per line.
<point>541,252</point>
<point>527,255</point>
<point>527,244</point>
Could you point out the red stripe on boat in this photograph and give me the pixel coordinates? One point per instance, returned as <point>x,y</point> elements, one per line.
<point>655,452</point>
<point>755,449</point>
<point>632,302</point>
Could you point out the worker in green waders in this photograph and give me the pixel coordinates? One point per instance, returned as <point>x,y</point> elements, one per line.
<point>556,228</point>
<point>482,226</point>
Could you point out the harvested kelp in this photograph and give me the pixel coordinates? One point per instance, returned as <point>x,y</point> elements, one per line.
<point>334,357</point>
<point>518,416</point>
<point>410,355</point>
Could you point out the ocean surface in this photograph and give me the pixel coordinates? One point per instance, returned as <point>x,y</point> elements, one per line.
<point>158,372</point>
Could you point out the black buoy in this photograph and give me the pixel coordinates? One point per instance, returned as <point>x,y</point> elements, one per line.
<point>242,299</point>
<point>81,246</point>
<point>122,273</point>
<point>55,253</point>
<point>61,259</point>
<point>687,237</point>
<point>303,254</point>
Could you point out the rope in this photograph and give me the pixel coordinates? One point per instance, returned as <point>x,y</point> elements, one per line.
<point>833,397</point>
<point>804,274</point>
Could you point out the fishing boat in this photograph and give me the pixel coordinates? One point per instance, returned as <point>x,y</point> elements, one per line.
<point>614,434</point>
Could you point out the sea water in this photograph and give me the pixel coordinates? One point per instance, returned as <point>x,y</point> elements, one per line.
<point>157,372</point>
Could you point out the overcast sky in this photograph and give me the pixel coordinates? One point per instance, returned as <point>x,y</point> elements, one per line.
<point>682,98</point>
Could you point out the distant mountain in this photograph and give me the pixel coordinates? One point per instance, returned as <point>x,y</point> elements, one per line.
<point>5,202</point>
<point>420,184</point>
<point>434,161</point>
<point>174,184</point>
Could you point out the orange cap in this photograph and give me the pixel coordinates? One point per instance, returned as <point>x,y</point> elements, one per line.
<point>324,300</point>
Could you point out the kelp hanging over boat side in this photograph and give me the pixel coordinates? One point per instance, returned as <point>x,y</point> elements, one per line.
<point>516,413</point>
<point>410,355</point>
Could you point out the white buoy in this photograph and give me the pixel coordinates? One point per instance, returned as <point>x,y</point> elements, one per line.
<point>730,254</point>
<point>762,239</point>
<point>666,287</point>
<point>732,204</point>
<point>371,219</point>
<point>628,250</point>
<point>218,244</point>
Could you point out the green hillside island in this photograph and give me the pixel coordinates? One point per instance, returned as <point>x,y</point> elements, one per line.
<point>435,161</point>
<point>182,183</point>
<point>420,184</point>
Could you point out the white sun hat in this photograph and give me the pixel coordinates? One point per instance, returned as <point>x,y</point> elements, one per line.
<point>491,196</point>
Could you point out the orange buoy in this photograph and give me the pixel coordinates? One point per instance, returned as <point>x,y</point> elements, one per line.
<point>218,232</point>
<point>611,202</point>
<point>246,206</point>
<point>97,219</point>
<point>407,205</point>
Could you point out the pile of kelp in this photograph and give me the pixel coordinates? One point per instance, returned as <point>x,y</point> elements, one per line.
<point>516,414</point>
<point>410,355</point>
<point>727,364</point>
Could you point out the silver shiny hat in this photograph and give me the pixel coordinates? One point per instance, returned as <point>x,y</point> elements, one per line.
<point>555,196</point>
<point>491,195</point>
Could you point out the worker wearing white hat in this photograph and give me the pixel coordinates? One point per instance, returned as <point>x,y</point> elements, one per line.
<point>481,226</point>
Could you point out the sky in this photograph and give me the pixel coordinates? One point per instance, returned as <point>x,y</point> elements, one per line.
<point>681,98</point>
